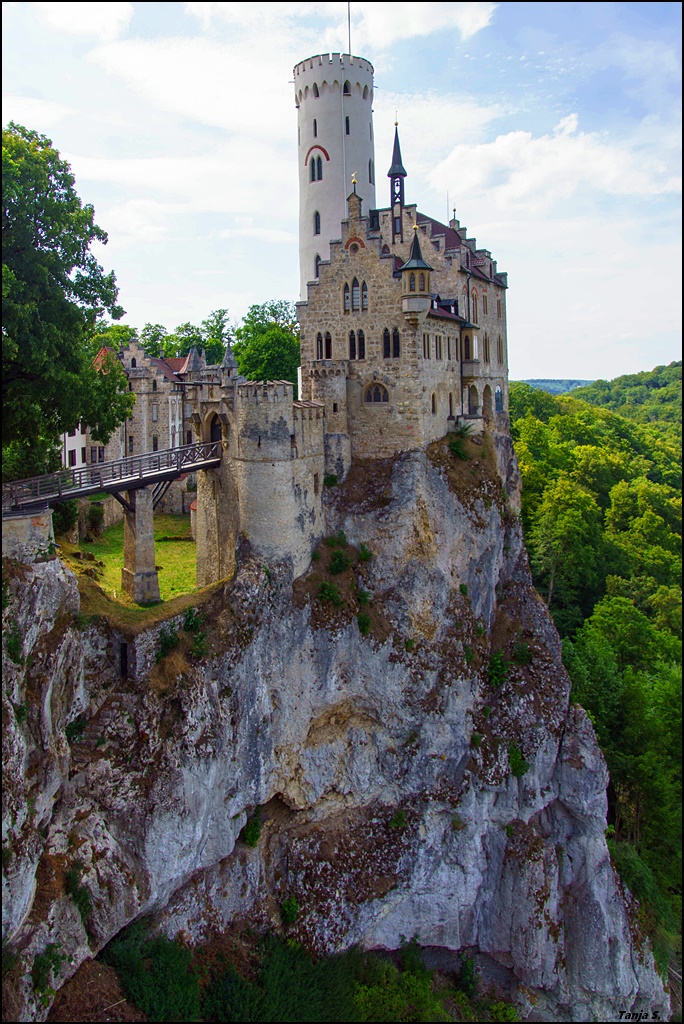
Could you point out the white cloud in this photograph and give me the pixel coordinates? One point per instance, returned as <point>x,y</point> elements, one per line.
<point>270,235</point>
<point>103,20</point>
<point>38,114</point>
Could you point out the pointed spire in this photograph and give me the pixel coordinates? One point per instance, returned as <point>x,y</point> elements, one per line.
<point>397,169</point>
<point>194,362</point>
<point>229,360</point>
<point>415,260</point>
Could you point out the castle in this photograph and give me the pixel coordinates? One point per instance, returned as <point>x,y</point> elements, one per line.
<point>403,337</point>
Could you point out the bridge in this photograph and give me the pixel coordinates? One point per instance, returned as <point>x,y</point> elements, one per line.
<point>138,482</point>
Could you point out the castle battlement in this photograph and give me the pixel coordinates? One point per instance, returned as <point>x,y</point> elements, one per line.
<point>257,391</point>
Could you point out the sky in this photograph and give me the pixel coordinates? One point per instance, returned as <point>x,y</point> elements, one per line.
<point>553,129</point>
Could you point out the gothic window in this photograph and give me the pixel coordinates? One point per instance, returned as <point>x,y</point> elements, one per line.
<point>362,345</point>
<point>371,172</point>
<point>346,126</point>
<point>134,362</point>
<point>498,400</point>
<point>377,393</point>
<point>473,308</point>
<point>155,443</point>
<point>498,308</point>
<point>315,128</point>
<point>365,92</point>
<point>434,404</point>
<point>130,445</point>
<point>154,385</point>
<point>317,264</point>
<point>356,296</point>
<point>385,250</point>
<point>426,346</point>
<point>396,344</point>
<point>466,348</point>
<point>412,283</point>
<point>347,89</point>
<point>315,90</point>
<point>328,345</point>
<point>317,223</point>
<point>486,348</point>
<point>421,283</point>
<point>312,169</point>
<point>319,168</point>
<point>448,347</point>
<point>499,350</point>
<point>364,296</point>
<point>485,305</point>
<point>352,345</point>
<point>438,346</point>
<point>385,344</point>
<point>319,346</point>
<point>347,298</point>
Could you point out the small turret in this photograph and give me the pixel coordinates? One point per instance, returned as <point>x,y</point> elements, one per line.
<point>396,174</point>
<point>415,283</point>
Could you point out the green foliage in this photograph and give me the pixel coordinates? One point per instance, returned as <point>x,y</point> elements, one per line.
<point>330,480</point>
<point>6,595</point>
<point>289,910</point>
<point>517,762</point>
<point>498,670</point>
<point>45,965</point>
<point>338,563</point>
<point>476,739</point>
<point>651,397</point>
<point>364,621</point>
<point>79,893</point>
<point>155,974</point>
<point>469,654</point>
<point>398,820</point>
<point>385,993</point>
<point>199,646</point>
<point>467,979</point>
<point>64,516</point>
<point>20,713</point>
<point>337,540</point>
<point>329,592</point>
<point>363,597</point>
<point>95,516</point>
<point>502,1011</point>
<point>24,458</point>
<point>365,554</point>
<point>267,342</point>
<point>640,881</point>
<point>457,447</point>
<point>75,730</point>
<point>409,644</point>
<point>463,587</point>
<point>14,642</point>
<point>315,555</point>
<point>54,291</point>
<point>168,640</point>
<point>193,620</point>
<point>522,654</point>
<point>10,957</point>
<point>251,833</point>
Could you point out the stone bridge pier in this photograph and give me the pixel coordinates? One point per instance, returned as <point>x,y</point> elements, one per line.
<point>139,578</point>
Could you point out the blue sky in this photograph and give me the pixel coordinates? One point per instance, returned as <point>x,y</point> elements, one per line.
<point>554,128</point>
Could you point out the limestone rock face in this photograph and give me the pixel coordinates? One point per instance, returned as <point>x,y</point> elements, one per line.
<point>407,787</point>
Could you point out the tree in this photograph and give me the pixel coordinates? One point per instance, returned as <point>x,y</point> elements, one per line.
<point>216,334</point>
<point>267,342</point>
<point>54,293</point>
<point>153,338</point>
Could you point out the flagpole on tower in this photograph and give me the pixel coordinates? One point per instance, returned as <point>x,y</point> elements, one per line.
<point>349,25</point>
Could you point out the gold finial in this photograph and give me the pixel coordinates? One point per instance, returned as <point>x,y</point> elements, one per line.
<point>415,227</point>
<point>354,178</point>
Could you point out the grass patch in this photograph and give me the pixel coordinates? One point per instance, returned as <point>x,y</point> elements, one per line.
<point>329,592</point>
<point>176,558</point>
<point>517,762</point>
<point>289,910</point>
<point>251,833</point>
<point>398,820</point>
<point>364,621</point>
<point>498,671</point>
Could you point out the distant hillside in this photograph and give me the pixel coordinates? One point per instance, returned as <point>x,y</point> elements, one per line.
<point>556,387</point>
<point>651,397</point>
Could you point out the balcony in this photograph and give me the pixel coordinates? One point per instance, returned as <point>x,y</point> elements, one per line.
<point>470,369</point>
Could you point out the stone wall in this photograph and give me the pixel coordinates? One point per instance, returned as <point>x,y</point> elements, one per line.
<point>28,537</point>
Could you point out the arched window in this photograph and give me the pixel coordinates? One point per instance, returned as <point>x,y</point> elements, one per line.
<point>498,399</point>
<point>215,428</point>
<point>319,346</point>
<point>485,305</point>
<point>352,345</point>
<point>371,172</point>
<point>315,128</point>
<point>312,169</point>
<point>319,168</point>
<point>315,90</point>
<point>412,283</point>
<point>347,89</point>
<point>317,223</point>
<point>498,308</point>
<point>434,404</point>
<point>347,298</point>
<point>134,362</point>
<point>365,92</point>
<point>377,393</point>
<point>421,283</point>
<point>362,345</point>
<point>346,126</point>
<point>486,348</point>
<point>499,350</point>
<point>466,347</point>
<point>473,308</point>
<point>317,265</point>
<point>385,250</point>
<point>154,385</point>
<point>396,344</point>
<point>364,296</point>
<point>328,345</point>
<point>356,296</point>
<point>385,344</point>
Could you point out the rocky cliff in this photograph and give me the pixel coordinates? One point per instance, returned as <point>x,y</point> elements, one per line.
<point>419,768</point>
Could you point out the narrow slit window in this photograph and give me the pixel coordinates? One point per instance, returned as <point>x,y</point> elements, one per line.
<point>319,346</point>
<point>317,223</point>
<point>396,344</point>
<point>347,298</point>
<point>362,345</point>
<point>346,126</point>
<point>352,345</point>
<point>385,344</point>
<point>328,345</point>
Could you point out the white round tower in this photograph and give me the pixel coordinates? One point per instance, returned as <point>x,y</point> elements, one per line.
<point>334,98</point>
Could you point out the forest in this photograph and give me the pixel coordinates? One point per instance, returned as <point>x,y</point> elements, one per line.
<point>601,513</point>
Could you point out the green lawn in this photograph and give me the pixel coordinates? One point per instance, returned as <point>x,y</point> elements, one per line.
<point>174,555</point>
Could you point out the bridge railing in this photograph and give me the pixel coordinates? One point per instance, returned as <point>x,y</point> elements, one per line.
<point>112,476</point>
